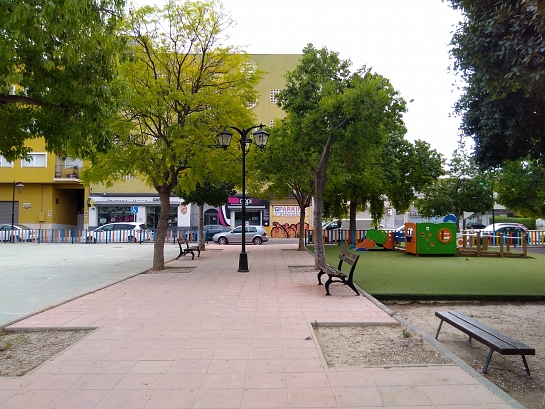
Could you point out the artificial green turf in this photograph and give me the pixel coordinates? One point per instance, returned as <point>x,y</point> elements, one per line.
<point>396,275</point>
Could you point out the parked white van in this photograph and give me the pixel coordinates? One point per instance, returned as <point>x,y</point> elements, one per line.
<point>344,224</point>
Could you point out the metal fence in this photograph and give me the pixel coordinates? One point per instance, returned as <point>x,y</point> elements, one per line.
<point>86,236</point>
<point>534,238</point>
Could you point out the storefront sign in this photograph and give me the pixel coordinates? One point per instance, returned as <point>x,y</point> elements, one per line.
<point>235,202</point>
<point>287,211</point>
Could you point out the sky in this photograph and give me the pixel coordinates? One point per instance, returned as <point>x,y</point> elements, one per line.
<point>406,41</point>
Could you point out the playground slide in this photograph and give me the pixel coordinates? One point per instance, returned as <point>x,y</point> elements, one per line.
<point>365,245</point>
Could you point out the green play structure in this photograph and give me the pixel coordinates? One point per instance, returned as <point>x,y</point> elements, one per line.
<point>430,238</point>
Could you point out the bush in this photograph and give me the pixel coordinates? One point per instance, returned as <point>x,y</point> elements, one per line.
<point>527,221</point>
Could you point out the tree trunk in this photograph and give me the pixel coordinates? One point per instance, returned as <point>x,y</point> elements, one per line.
<point>319,185</point>
<point>201,228</point>
<point>159,245</point>
<point>319,250</point>
<point>353,214</point>
<point>301,228</point>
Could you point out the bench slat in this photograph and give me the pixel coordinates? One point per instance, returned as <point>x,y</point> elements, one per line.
<point>489,336</point>
<point>507,339</point>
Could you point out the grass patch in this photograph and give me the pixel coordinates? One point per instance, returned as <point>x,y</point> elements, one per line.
<point>396,275</point>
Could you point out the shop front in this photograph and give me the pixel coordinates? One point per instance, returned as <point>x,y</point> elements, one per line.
<point>256,212</point>
<point>285,217</point>
<point>141,209</point>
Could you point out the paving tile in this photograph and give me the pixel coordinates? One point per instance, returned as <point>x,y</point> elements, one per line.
<point>31,399</point>
<point>230,380</point>
<point>172,399</point>
<point>61,381</point>
<point>404,395</point>
<point>264,398</point>
<point>125,399</point>
<point>265,380</point>
<point>151,367</point>
<point>80,399</point>
<point>311,398</point>
<point>357,396</point>
<point>218,398</point>
<point>139,381</point>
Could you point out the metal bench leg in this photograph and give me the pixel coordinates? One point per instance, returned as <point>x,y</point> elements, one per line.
<point>488,360</point>
<point>327,283</point>
<point>526,365</point>
<point>320,274</point>
<point>353,287</point>
<point>438,329</point>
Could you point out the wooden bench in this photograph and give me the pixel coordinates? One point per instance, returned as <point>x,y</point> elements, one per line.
<point>336,275</point>
<point>187,250</point>
<point>490,337</point>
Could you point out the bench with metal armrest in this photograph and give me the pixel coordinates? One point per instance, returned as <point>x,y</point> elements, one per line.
<point>187,249</point>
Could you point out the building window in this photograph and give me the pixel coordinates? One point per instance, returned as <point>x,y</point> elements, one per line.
<point>36,160</point>
<point>274,93</point>
<point>272,123</point>
<point>4,162</point>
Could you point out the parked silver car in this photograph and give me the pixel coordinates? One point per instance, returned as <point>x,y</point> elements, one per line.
<point>254,234</point>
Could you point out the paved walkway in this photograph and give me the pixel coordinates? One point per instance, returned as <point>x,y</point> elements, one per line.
<point>216,338</point>
<point>36,276</point>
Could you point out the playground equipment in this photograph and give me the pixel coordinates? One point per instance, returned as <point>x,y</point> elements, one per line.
<point>475,245</point>
<point>430,238</point>
<point>376,237</point>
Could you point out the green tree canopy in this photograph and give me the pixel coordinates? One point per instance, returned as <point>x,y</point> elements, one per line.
<point>498,48</point>
<point>465,189</point>
<point>183,87</point>
<point>396,171</point>
<point>58,75</point>
<point>335,110</point>
<point>521,187</point>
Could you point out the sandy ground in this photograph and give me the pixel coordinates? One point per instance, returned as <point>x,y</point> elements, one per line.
<point>522,321</point>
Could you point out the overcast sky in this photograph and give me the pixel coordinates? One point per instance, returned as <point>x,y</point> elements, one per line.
<point>404,40</point>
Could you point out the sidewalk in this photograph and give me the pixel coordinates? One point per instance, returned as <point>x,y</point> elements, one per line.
<point>216,338</point>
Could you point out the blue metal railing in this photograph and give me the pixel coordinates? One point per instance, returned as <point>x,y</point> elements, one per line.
<point>85,236</point>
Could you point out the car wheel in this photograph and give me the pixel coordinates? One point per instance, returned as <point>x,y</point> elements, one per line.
<point>222,240</point>
<point>258,241</point>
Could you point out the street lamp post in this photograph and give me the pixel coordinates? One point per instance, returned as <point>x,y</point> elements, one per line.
<point>20,186</point>
<point>261,138</point>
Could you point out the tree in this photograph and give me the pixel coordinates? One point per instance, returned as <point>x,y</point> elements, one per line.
<point>282,169</point>
<point>398,170</point>
<point>408,168</point>
<point>498,49</point>
<point>58,75</point>
<point>184,86</point>
<point>207,192</point>
<point>336,110</point>
<point>521,187</point>
<point>466,189</point>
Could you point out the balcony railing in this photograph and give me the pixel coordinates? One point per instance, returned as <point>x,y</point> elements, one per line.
<point>67,172</point>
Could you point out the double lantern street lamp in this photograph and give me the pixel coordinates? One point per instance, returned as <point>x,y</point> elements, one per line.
<point>20,186</point>
<point>261,138</point>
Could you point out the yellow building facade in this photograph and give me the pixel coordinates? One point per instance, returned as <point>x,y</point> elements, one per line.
<point>53,197</point>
